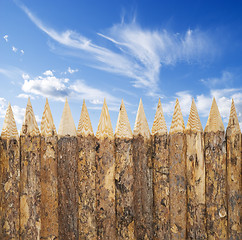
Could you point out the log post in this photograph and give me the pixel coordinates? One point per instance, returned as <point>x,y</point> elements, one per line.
<point>215,160</point>
<point>48,176</point>
<point>177,175</point>
<point>233,136</point>
<point>143,191</point>
<point>195,165</point>
<point>30,190</point>
<point>86,177</point>
<point>161,201</point>
<point>124,177</point>
<point>10,177</point>
<point>67,177</point>
<point>105,183</point>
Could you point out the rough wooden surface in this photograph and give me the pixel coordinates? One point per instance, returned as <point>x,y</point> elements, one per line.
<point>67,188</point>
<point>30,190</point>
<point>124,181</point>
<point>105,189</point>
<point>9,190</point>
<point>233,137</point>
<point>161,213</point>
<point>216,199</point>
<point>86,187</point>
<point>49,194</point>
<point>143,190</point>
<point>177,180</point>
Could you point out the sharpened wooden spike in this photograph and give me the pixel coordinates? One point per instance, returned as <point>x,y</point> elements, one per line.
<point>123,129</point>
<point>9,126</point>
<point>177,124</point>
<point>104,129</point>
<point>214,122</point>
<point>194,123</point>
<point>141,126</point>
<point>67,125</point>
<point>159,125</point>
<point>84,126</point>
<point>233,118</point>
<point>47,125</point>
<point>29,126</point>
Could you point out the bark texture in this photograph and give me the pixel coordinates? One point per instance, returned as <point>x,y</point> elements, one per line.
<point>30,190</point>
<point>216,199</point>
<point>86,188</point>
<point>49,194</point>
<point>161,187</point>
<point>105,189</point>
<point>234,183</point>
<point>143,191</point>
<point>9,190</point>
<point>67,188</point>
<point>124,181</point>
<point>177,180</point>
<point>195,164</point>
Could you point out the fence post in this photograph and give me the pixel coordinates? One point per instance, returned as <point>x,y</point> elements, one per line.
<point>30,190</point>
<point>48,176</point>
<point>105,184</point>
<point>177,160</point>
<point>195,165</point>
<point>67,177</point>
<point>143,191</point>
<point>124,177</point>
<point>233,137</point>
<point>86,177</point>
<point>215,159</point>
<point>10,176</point>
<point>161,215</point>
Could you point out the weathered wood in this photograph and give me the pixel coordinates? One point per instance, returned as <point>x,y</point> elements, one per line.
<point>30,190</point>
<point>143,190</point>
<point>105,183</point>
<point>161,215</point>
<point>177,175</point>
<point>86,177</point>
<point>48,176</point>
<point>233,137</point>
<point>195,167</point>
<point>124,177</point>
<point>215,167</point>
<point>10,177</point>
<point>67,177</point>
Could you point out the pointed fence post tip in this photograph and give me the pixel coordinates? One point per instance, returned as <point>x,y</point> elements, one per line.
<point>233,118</point>
<point>177,124</point>
<point>141,126</point>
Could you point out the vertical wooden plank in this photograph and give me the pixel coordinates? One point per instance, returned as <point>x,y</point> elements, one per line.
<point>124,177</point>
<point>195,164</point>
<point>177,176</point>
<point>105,184</point>
<point>86,177</point>
<point>215,159</point>
<point>48,176</point>
<point>67,177</point>
<point>161,215</point>
<point>233,137</point>
<point>10,177</point>
<point>143,190</point>
<point>30,190</point>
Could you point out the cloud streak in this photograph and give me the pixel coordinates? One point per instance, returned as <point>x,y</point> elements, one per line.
<point>135,52</point>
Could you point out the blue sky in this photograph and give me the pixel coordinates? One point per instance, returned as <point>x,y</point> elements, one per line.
<point>120,49</point>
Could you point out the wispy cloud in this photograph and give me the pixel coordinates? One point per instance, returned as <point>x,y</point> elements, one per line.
<point>14,49</point>
<point>22,51</point>
<point>72,70</point>
<point>135,52</point>
<point>5,38</point>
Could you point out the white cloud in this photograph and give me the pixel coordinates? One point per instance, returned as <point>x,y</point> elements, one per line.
<point>22,95</point>
<point>14,49</point>
<point>72,70</point>
<point>226,77</point>
<point>5,38</point>
<point>48,73</point>
<point>136,53</point>
<point>22,51</point>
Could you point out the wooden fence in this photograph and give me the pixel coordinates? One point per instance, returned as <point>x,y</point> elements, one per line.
<point>140,185</point>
